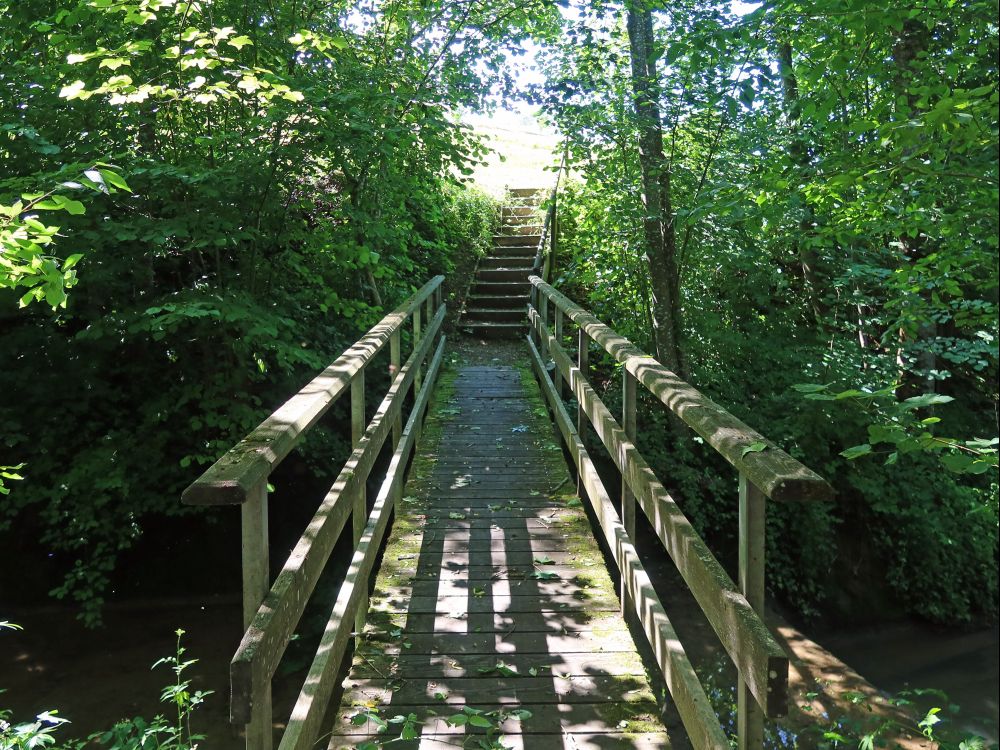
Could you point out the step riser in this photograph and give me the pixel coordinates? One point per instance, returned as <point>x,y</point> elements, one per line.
<point>503,275</point>
<point>493,301</point>
<point>505,288</point>
<point>488,332</point>
<point>506,262</point>
<point>517,239</point>
<point>496,316</point>
<point>508,251</point>
<point>526,229</point>
<point>518,211</point>
<point>524,192</point>
<point>518,221</point>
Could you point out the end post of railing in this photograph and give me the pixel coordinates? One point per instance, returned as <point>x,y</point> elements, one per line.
<point>752,522</point>
<point>252,499</point>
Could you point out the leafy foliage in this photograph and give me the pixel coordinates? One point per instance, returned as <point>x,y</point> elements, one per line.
<point>137,733</point>
<point>834,172</point>
<point>284,173</point>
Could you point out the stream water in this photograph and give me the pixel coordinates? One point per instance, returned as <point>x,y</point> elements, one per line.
<point>902,656</point>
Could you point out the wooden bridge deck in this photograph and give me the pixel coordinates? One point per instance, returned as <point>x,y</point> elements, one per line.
<point>493,594</point>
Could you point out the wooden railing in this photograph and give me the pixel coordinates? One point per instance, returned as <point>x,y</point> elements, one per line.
<point>765,471</point>
<point>271,612</point>
<point>546,251</point>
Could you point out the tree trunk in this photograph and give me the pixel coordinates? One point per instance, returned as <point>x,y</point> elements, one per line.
<point>911,41</point>
<point>658,222</point>
<point>798,152</point>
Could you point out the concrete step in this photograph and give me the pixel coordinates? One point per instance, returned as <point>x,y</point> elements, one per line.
<point>517,239</point>
<point>517,221</point>
<point>508,261</point>
<point>503,274</point>
<point>502,288</point>
<point>518,211</point>
<point>522,230</point>
<point>495,314</point>
<point>494,301</point>
<point>489,330</point>
<point>525,192</point>
<point>514,251</point>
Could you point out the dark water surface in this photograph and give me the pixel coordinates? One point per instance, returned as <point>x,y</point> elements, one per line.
<point>902,656</point>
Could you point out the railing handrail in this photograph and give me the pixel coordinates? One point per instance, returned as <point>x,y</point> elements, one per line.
<point>779,476</point>
<point>735,613</point>
<point>542,253</point>
<point>271,612</point>
<point>229,480</point>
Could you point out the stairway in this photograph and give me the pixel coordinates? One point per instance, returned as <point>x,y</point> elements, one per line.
<point>495,307</point>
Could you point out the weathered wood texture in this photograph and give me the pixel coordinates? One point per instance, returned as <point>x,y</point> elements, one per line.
<point>693,705</point>
<point>303,726</point>
<point>492,592</point>
<point>268,634</point>
<point>778,475</point>
<point>741,631</point>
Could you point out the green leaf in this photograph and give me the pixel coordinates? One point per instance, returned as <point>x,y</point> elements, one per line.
<point>928,399</point>
<point>113,178</point>
<point>240,41</point>
<point>76,208</point>
<point>856,452</point>
<point>958,463</point>
<point>74,90</point>
<point>809,387</point>
<point>753,448</point>
<point>879,433</point>
<point>544,575</point>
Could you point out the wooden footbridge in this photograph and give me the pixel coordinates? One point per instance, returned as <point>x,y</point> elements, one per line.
<point>495,619</point>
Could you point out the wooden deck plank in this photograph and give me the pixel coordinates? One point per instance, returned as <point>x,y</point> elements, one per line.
<point>493,593</point>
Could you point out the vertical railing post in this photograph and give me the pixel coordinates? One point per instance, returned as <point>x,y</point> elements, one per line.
<point>628,499</point>
<point>256,583</point>
<point>359,514</point>
<point>583,365</point>
<point>750,716</point>
<point>558,334</point>
<point>395,362</point>
<point>543,314</point>
<point>553,228</point>
<point>533,305</point>
<point>417,375</point>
